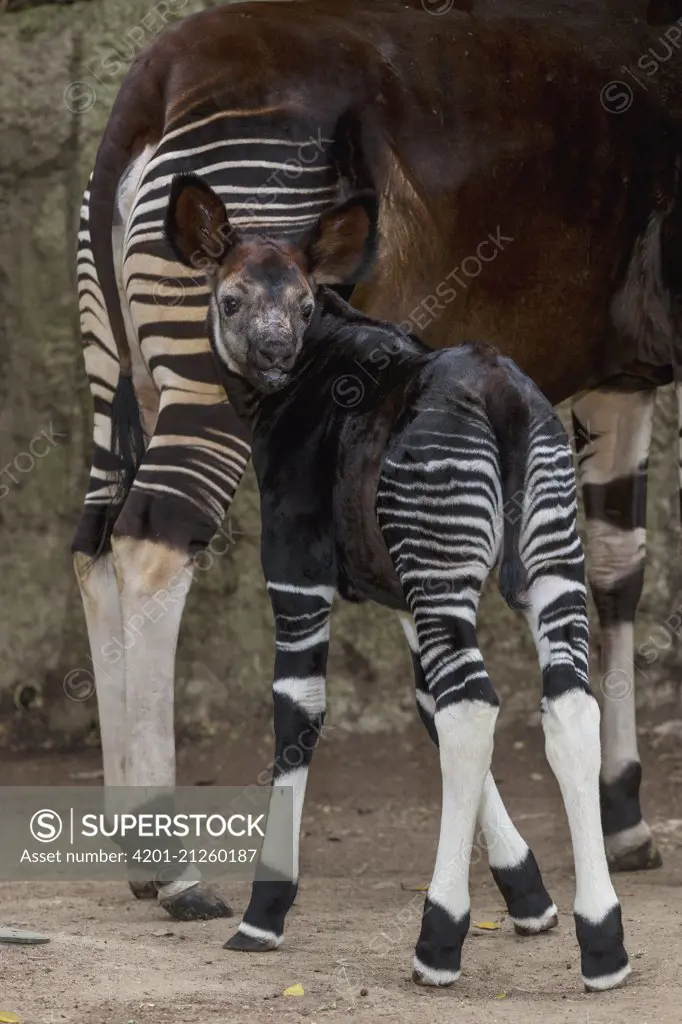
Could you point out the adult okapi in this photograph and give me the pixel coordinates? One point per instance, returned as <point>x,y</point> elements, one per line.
<point>485,140</point>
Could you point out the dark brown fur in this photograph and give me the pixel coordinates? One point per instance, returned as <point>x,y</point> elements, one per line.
<point>468,124</point>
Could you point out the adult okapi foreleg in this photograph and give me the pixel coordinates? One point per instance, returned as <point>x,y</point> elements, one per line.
<point>613,435</point>
<point>512,864</point>
<point>184,484</point>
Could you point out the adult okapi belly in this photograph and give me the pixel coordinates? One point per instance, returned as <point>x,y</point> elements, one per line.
<point>545,297</point>
<point>365,571</point>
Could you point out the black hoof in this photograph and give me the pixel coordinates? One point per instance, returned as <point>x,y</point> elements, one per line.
<point>546,926</point>
<point>143,890</point>
<point>644,858</point>
<point>200,903</point>
<point>246,944</point>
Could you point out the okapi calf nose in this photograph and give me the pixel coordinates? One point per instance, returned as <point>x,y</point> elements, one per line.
<point>277,353</point>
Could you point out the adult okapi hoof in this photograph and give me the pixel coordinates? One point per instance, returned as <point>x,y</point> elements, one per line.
<point>645,858</point>
<point>143,890</point>
<point>242,943</point>
<point>200,903</point>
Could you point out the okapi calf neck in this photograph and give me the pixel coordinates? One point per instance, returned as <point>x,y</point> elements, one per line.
<point>394,473</point>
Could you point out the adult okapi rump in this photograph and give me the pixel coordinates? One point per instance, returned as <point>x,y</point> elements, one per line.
<point>451,463</point>
<point>513,206</point>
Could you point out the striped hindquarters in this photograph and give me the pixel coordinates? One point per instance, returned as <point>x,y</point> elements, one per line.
<point>272,180</point>
<point>101,365</point>
<point>439,508</point>
<point>551,550</point>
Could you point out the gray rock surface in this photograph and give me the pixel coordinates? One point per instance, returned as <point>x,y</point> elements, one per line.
<point>58,77</point>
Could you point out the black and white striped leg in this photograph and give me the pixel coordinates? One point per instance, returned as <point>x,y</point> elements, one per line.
<point>302,639</point>
<point>613,435</point>
<point>512,864</point>
<point>439,506</point>
<point>93,563</point>
<point>570,719</point>
<point>465,710</point>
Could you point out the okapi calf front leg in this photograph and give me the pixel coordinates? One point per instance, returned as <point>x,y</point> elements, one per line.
<point>302,612</point>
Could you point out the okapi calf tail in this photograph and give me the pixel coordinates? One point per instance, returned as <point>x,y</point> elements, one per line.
<point>509,417</point>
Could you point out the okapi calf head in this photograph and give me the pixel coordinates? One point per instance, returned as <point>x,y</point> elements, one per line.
<point>263,288</point>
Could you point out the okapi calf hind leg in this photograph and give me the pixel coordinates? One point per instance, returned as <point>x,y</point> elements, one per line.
<point>556,602</point>
<point>570,720</point>
<point>466,708</point>
<point>512,864</point>
<point>439,504</point>
<point>613,435</point>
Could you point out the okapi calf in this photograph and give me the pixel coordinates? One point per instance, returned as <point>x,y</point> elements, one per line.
<point>406,490</point>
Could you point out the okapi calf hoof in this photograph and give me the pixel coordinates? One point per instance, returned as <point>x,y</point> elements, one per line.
<point>643,858</point>
<point>530,907</point>
<point>199,903</point>
<point>438,955</point>
<point>143,890</point>
<point>537,925</point>
<point>422,975</point>
<point>603,960</point>
<point>249,939</point>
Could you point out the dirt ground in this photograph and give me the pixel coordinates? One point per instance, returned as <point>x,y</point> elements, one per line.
<point>370,832</point>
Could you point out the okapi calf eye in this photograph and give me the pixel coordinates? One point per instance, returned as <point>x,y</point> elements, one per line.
<point>307,309</point>
<point>230,305</point>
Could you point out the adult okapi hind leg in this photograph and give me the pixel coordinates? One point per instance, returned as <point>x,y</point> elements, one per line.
<point>118,446</point>
<point>132,618</point>
<point>613,435</point>
<point>512,863</point>
<point>177,502</point>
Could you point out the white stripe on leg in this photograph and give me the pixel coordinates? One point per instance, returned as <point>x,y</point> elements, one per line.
<point>410,631</point>
<point>514,867</point>
<point>619,723</point>
<point>273,854</point>
<point>506,848</point>
<point>465,736</point>
<point>571,726</point>
<point>102,607</point>
<point>154,583</point>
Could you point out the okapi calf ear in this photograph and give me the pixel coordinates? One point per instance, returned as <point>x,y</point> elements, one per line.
<point>342,245</point>
<point>197,226</point>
